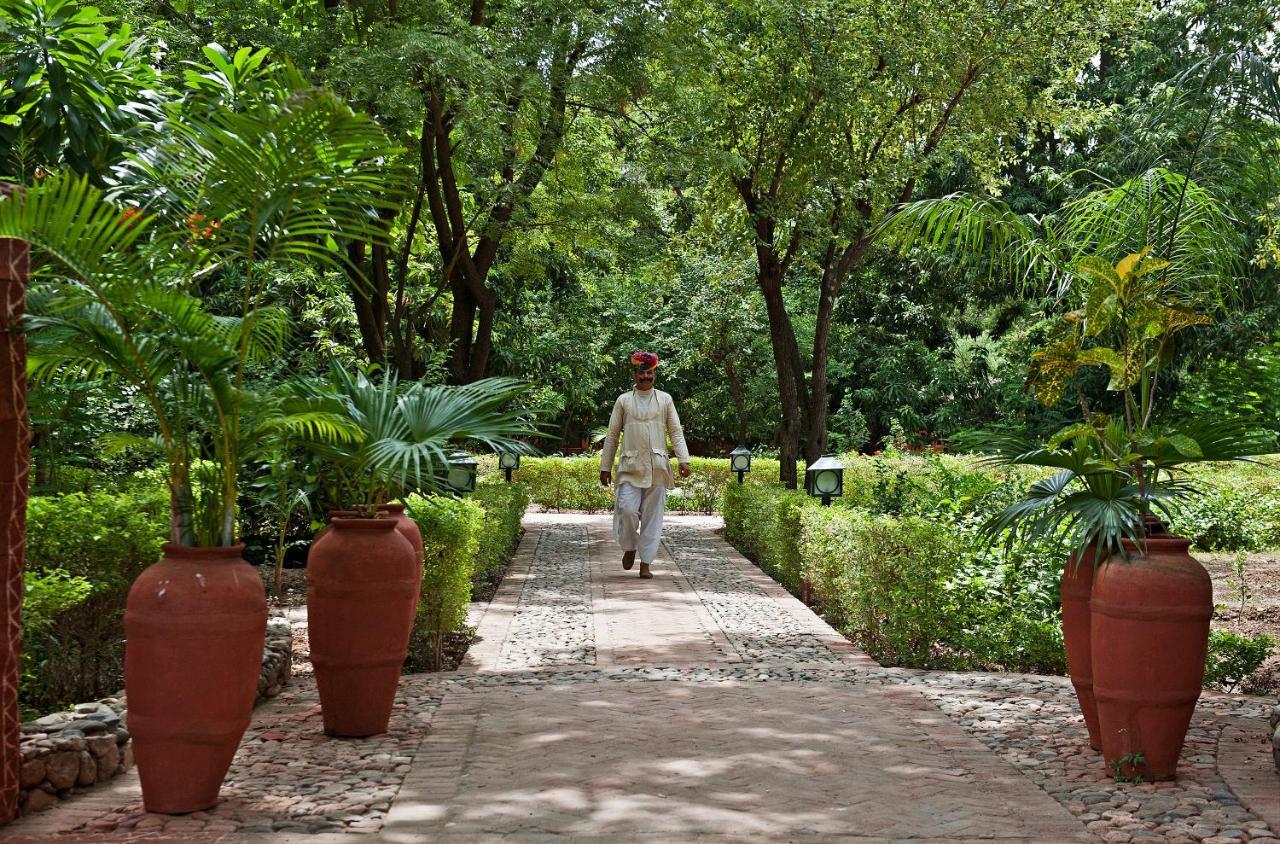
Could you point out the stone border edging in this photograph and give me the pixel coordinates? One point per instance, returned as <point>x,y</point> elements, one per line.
<point>1243,750</point>
<point>64,753</point>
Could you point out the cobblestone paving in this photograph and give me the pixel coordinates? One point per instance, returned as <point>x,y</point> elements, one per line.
<point>705,704</point>
<point>757,626</point>
<point>553,624</point>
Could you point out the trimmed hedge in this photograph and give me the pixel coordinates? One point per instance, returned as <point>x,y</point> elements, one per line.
<point>504,505</point>
<point>573,483</point>
<point>466,542</point>
<point>914,589</point>
<point>451,529</point>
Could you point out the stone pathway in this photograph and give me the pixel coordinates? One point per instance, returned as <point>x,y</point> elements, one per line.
<point>706,703</point>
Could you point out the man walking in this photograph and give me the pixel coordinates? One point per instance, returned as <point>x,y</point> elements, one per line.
<point>644,417</point>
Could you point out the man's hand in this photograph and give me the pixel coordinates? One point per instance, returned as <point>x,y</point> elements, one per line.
<point>684,470</point>
<point>606,478</point>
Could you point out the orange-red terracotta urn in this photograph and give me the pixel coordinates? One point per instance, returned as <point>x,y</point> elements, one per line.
<point>1150,632</point>
<point>194,625</point>
<point>1077,586</point>
<point>361,585</point>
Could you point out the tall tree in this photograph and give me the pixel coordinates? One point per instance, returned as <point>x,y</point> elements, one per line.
<point>483,95</point>
<point>815,118</point>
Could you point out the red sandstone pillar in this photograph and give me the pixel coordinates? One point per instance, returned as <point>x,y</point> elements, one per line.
<point>15,438</point>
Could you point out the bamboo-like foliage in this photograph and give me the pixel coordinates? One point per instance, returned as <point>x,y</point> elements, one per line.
<point>214,187</point>
<point>1181,221</point>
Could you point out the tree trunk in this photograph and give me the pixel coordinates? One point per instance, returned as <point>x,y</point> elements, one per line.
<point>735,387</point>
<point>816,441</point>
<point>460,328</point>
<point>15,439</point>
<point>369,297</point>
<point>791,387</point>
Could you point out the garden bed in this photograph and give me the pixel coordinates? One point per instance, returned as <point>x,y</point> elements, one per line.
<point>1261,579</point>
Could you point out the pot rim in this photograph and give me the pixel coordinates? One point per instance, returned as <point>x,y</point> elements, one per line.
<point>362,524</point>
<point>173,549</point>
<point>391,507</point>
<point>1168,541</point>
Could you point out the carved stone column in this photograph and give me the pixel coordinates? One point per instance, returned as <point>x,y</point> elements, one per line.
<point>15,439</point>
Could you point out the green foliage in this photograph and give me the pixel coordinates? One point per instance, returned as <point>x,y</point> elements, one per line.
<point>764,523</point>
<point>74,86</point>
<point>400,431</point>
<point>1233,657</point>
<point>451,532</point>
<point>917,587</point>
<point>49,596</point>
<point>108,537</point>
<point>889,577</point>
<point>504,505</point>
<point>573,483</point>
<point>565,483</point>
<point>83,552</point>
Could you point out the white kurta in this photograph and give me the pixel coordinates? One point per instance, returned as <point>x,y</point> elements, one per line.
<point>643,421</point>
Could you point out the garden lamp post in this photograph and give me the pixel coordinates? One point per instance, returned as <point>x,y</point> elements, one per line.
<point>740,461</point>
<point>825,479</point>
<point>508,462</point>
<point>461,474</point>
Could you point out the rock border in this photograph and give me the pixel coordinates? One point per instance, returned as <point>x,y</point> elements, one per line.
<point>64,753</point>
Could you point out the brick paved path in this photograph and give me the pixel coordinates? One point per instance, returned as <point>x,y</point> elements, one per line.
<point>706,703</point>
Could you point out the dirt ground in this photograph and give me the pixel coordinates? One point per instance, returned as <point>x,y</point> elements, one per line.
<point>1261,582</point>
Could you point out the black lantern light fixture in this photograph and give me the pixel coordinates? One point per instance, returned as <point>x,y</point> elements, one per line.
<point>740,461</point>
<point>825,479</point>
<point>460,477</point>
<point>508,462</point>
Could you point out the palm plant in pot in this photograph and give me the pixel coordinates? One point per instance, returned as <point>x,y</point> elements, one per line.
<point>1135,605</point>
<point>118,277</point>
<point>364,570</point>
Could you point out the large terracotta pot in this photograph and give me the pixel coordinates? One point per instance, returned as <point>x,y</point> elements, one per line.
<point>1150,631</point>
<point>360,589</point>
<point>1077,585</point>
<point>194,626</point>
<point>409,530</point>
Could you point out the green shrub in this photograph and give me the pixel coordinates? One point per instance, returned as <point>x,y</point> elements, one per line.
<point>1222,520</point>
<point>887,578</point>
<point>1232,658</point>
<point>451,530</point>
<point>107,537</point>
<point>565,483</point>
<point>1238,510</point>
<point>83,551</point>
<point>504,505</point>
<point>573,483</point>
<point>915,590</point>
<point>50,594</point>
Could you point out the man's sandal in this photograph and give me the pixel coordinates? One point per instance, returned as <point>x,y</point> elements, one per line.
<point>644,571</point>
<point>628,559</point>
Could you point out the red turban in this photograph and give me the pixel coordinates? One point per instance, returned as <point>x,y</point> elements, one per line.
<point>644,361</point>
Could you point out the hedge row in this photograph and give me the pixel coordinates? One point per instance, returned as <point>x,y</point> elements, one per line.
<point>466,542</point>
<point>573,483</point>
<point>918,588</point>
<point>83,552</point>
<point>85,549</point>
<point>910,590</point>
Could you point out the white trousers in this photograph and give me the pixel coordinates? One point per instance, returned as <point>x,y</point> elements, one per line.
<point>637,519</point>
